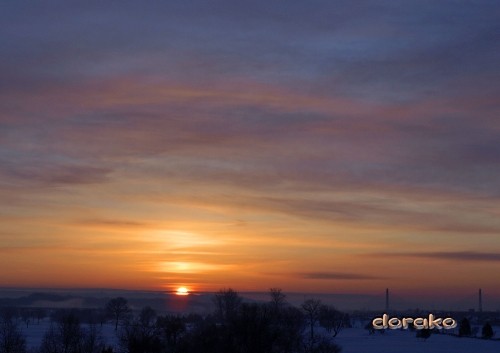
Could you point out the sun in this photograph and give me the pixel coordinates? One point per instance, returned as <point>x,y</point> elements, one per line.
<point>182,291</point>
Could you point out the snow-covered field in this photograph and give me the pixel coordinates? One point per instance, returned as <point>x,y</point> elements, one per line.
<point>34,333</point>
<point>358,340</point>
<point>354,340</point>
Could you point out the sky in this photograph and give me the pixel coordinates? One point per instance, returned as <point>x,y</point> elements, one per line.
<point>319,146</point>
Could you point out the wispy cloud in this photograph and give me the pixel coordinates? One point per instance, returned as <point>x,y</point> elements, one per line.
<point>111,223</point>
<point>336,275</point>
<point>471,256</point>
<point>40,174</point>
<point>315,127</point>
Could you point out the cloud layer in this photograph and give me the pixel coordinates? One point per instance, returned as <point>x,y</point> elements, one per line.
<point>293,135</point>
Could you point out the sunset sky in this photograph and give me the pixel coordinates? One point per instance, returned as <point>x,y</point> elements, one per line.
<point>316,146</point>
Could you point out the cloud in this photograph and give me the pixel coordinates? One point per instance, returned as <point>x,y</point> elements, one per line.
<point>369,207</point>
<point>466,256</point>
<point>111,223</point>
<point>325,115</point>
<point>43,174</point>
<point>336,276</point>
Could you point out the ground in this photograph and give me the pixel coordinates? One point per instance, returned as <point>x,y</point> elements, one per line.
<point>354,340</point>
<point>358,340</point>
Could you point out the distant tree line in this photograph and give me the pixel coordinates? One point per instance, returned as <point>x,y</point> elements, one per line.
<point>233,327</point>
<point>465,330</point>
<point>236,327</point>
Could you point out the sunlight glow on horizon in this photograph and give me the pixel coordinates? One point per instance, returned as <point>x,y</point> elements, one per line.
<point>182,291</point>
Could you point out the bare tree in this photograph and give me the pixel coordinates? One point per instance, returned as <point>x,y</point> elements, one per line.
<point>11,338</point>
<point>26,316</point>
<point>147,320</point>
<point>117,309</point>
<point>332,319</point>
<point>311,308</point>
<point>277,298</point>
<point>65,337</point>
<point>93,341</point>
<point>171,328</point>
<point>141,335</point>
<point>227,302</point>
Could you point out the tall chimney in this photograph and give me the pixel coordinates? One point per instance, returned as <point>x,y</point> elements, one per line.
<point>386,300</point>
<point>480,301</point>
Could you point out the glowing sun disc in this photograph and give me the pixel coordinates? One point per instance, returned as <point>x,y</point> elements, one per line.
<point>182,291</point>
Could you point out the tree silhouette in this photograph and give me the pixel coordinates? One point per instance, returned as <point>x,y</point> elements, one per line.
<point>11,338</point>
<point>250,329</point>
<point>311,308</point>
<point>278,299</point>
<point>40,314</point>
<point>93,341</point>
<point>487,331</point>
<point>288,328</point>
<point>141,335</point>
<point>227,302</point>
<point>325,345</point>
<point>26,316</point>
<point>464,329</point>
<point>424,333</point>
<point>171,328</point>
<point>117,309</point>
<point>234,327</point>
<point>66,336</point>
<point>332,319</point>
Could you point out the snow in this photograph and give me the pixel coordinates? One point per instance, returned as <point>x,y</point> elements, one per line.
<point>358,340</point>
<point>34,333</point>
<point>353,340</point>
